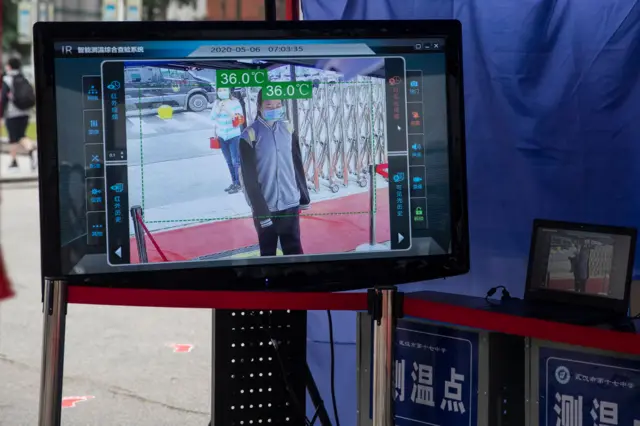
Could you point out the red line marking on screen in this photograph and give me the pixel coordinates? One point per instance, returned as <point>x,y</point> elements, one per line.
<point>180,348</point>
<point>71,401</point>
<point>383,170</point>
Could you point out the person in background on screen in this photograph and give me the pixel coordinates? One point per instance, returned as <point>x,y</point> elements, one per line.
<point>17,92</point>
<point>274,180</point>
<point>228,118</point>
<point>580,265</point>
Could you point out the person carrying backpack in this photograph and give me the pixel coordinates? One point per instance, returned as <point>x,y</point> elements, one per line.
<point>18,99</point>
<point>273,177</point>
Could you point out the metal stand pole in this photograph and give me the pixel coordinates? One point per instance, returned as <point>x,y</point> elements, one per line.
<point>121,11</point>
<point>270,11</point>
<point>385,306</point>
<point>372,205</point>
<point>55,311</point>
<point>141,244</point>
<point>213,368</point>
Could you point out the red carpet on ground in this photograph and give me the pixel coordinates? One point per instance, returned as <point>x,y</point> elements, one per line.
<point>321,232</point>
<point>594,285</point>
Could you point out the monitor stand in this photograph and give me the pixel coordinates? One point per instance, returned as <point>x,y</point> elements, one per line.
<point>51,371</point>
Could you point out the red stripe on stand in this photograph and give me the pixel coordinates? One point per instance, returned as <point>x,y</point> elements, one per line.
<point>218,299</point>
<point>521,326</point>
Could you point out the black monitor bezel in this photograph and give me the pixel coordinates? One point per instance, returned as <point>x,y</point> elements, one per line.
<point>571,298</point>
<point>309,276</point>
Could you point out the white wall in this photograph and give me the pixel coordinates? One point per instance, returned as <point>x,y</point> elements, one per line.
<point>77,10</point>
<point>177,13</point>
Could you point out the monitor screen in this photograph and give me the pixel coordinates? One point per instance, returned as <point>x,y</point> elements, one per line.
<point>582,262</point>
<point>233,151</point>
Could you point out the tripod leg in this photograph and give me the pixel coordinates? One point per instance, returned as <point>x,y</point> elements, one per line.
<point>318,403</point>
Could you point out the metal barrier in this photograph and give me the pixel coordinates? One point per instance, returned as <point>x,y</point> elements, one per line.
<point>141,244</point>
<point>342,128</point>
<point>342,131</point>
<point>140,229</point>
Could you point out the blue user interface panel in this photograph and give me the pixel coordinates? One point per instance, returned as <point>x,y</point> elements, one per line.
<point>208,153</point>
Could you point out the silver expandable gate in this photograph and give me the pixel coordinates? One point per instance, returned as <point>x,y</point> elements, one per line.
<point>342,131</point>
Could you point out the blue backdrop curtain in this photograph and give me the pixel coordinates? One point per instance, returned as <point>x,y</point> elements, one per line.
<point>552,93</point>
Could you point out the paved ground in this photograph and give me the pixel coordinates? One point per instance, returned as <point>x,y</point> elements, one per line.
<point>24,173</point>
<point>118,355</point>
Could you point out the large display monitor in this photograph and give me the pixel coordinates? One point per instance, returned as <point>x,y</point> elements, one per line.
<point>251,156</point>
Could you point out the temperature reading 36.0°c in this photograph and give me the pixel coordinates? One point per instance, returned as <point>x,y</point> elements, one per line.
<point>241,78</point>
<point>288,90</point>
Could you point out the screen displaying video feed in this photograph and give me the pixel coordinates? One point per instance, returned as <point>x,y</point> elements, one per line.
<point>206,154</point>
<point>586,263</point>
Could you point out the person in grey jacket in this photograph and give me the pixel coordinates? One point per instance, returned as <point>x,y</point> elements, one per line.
<point>580,266</point>
<point>273,179</point>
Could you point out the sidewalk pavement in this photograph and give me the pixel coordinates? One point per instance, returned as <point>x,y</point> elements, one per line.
<point>4,146</point>
<point>23,174</point>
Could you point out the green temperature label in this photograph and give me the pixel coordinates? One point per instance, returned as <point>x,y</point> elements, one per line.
<point>241,78</point>
<point>287,90</point>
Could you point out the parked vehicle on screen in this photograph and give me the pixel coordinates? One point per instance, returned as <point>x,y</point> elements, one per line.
<point>151,87</point>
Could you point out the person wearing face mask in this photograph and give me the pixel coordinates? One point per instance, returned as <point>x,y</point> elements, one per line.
<point>274,181</point>
<point>228,117</point>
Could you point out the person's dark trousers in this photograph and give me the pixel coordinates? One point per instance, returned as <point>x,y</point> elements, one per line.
<point>231,154</point>
<point>581,286</point>
<point>286,228</point>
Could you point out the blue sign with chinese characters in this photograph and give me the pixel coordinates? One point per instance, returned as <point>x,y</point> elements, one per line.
<point>581,389</point>
<point>436,375</point>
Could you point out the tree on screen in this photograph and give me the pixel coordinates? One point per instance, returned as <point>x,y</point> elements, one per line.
<point>9,32</point>
<point>9,25</point>
<point>156,10</point>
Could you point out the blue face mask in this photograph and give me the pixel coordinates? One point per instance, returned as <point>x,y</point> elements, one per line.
<point>273,114</point>
<point>223,95</point>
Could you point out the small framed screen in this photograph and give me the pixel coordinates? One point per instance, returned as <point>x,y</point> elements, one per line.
<point>580,263</point>
<point>246,153</point>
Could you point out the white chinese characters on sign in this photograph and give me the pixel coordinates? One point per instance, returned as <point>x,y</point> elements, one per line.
<point>601,381</point>
<point>604,413</point>
<point>569,410</point>
<point>425,347</point>
<point>422,391</point>
<point>452,400</point>
<point>399,381</point>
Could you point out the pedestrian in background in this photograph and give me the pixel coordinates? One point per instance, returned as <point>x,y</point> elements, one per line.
<point>18,100</point>
<point>228,120</point>
<point>580,265</point>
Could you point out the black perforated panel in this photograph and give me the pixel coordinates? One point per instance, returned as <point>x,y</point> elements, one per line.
<point>249,385</point>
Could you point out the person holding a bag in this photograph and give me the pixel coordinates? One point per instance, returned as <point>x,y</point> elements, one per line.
<point>228,118</point>
<point>18,98</point>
